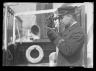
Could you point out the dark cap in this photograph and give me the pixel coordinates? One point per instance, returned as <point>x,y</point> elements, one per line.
<point>66,10</point>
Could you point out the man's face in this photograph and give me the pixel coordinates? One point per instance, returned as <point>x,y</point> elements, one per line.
<point>65,20</point>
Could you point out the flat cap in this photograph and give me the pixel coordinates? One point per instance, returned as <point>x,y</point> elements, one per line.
<point>66,10</point>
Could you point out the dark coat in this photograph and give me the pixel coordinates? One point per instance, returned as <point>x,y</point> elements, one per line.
<point>70,49</point>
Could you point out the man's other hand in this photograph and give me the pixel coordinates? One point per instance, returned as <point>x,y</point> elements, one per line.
<point>52,35</point>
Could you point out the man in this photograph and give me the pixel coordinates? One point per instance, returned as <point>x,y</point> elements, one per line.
<point>70,41</point>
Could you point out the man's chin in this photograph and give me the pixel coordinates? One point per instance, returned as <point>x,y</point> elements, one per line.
<point>66,26</point>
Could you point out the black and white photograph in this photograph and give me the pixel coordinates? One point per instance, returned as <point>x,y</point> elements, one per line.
<point>48,34</point>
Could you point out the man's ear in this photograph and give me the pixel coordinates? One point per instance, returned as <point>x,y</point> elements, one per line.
<point>72,20</point>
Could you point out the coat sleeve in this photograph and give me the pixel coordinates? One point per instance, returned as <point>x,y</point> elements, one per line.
<point>71,43</point>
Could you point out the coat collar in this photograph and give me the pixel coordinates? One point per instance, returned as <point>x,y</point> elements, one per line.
<point>73,26</point>
<point>66,31</point>
<point>73,23</point>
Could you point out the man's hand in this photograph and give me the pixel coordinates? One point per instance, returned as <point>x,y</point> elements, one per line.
<point>52,35</point>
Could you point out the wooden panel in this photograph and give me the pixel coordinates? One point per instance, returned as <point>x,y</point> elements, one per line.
<point>47,52</point>
<point>83,17</point>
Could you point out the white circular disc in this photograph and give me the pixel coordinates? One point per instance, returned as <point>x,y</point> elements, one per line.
<point>31,59</point>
